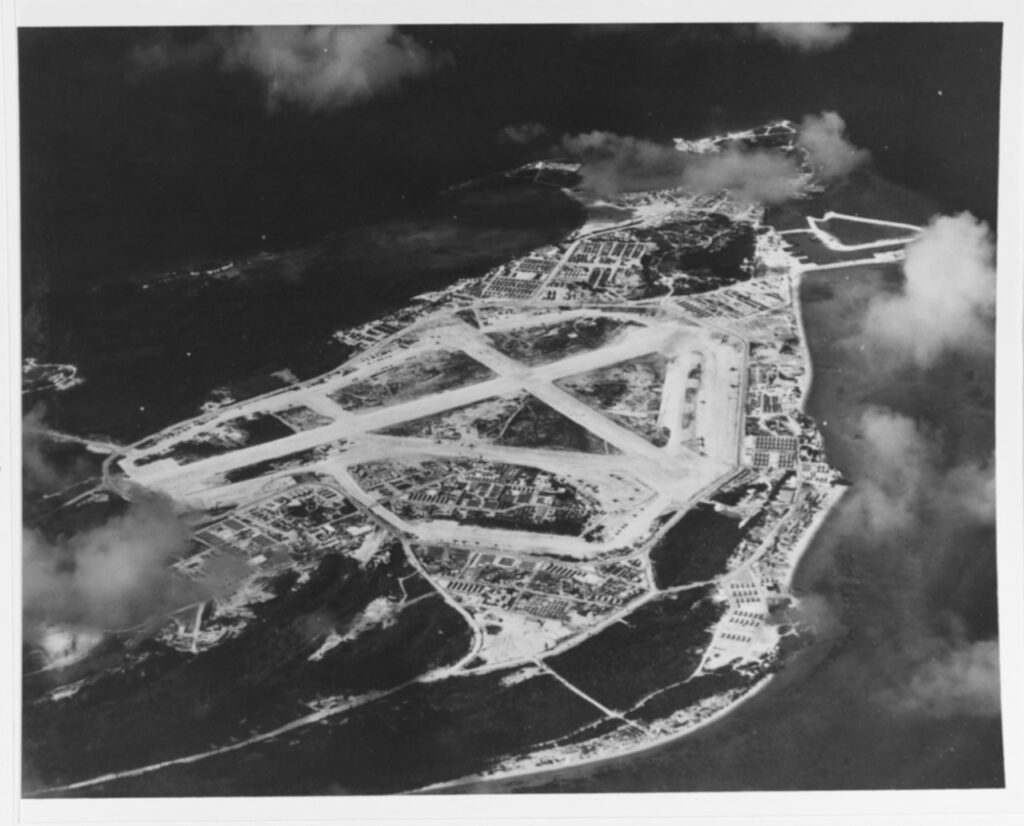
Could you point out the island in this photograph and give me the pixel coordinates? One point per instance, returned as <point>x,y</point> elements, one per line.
<point>586,474</point>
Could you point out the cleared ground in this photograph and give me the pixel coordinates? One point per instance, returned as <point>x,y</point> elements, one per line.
<point>515,420</point>
<point>408,404</point>
<point>629,393</point>
<point>429,373</point>
<point>552,342</point>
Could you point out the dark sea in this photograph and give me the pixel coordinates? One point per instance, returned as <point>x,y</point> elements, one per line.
<point>126,173</point>
<point>152,352</point>
<point>337,217</point>
<point>127,176</point>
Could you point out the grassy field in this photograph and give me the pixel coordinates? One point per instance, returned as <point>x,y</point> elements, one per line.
<point>660,644</point>
<point>696,548</point>
<point>552,342</point>
<point>232,435</point>
<point>518,420</point>
<point>421,376</point>
<point>628,393</point>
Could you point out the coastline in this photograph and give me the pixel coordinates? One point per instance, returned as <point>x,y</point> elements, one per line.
<point>539,770</point>
<point>287,307</point>
<point>721,708</point>
<point>832,568</point>
<point>249,252</point>
<point>710,708</point>
<point>794,558</point>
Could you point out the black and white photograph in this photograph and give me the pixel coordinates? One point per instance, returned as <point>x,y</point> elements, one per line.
<point>513,408</point>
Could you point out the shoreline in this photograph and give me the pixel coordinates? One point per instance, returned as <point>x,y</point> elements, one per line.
<point>795,557</point>
<point>710,708</point>
<point>232,264</point>
<point>802,547</point>
<point>795,282</point>
<point>797,554</point>
<point>527,771</point>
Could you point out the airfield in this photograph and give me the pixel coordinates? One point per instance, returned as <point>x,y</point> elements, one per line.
<point>632,484</point>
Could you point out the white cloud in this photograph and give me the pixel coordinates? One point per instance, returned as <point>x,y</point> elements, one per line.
<point>38,474</point>
<point>829,153</point>
<point>912,513</point>
<point>961,680</point>
<point>906,483</point>
<point>113,575</point>
<point>317,68</point>
<point>806,37</point>
<point>948,300</point>
<point>522,133</point>
<point>760,175</point>
<point>622,163</point>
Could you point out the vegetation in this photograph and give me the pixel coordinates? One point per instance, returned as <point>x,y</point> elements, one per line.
<point>244,431</point>
<point>291,460</point>
<point>169,704</point>
<point>660,644</point>
<point>679,697</point>
<point>552,342</point>
<point>424,734</point>
<point>696,548</point>
<point>519,420</point>
<point>628,393</point>
<point>712,249</point>
<point>414,378</point>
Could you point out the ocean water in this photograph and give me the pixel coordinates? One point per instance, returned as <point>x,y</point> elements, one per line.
<point>151,356</point>
<point>125,174</point>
